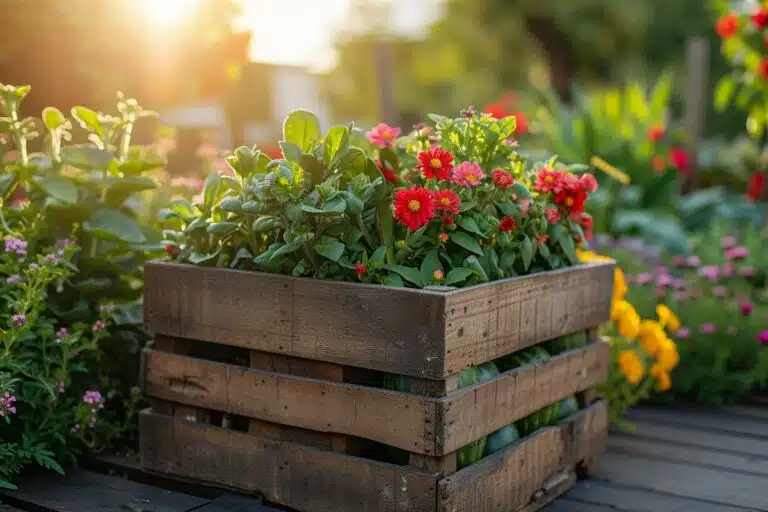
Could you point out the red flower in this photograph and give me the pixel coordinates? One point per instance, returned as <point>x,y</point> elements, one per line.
<point>760,18</point>
<point>553,216</point>
<point>589,183</point>
<point>360,270</point>
<point>447,219</point>
<point>679,158</point>
<point>548,180</point>
<point>507,224</point>
<point>172,250</point>
<point>586,225</point>
<point>658,164</point>
<point>727,26</point>
<point>446,201</point>
<point>572,199</point>
<point>389,174</point>
<point>443,237</point>
<point>503,179</point>
<point>413,207</point>
<point>436,162</point>
<point>756,184</point>
<point>496,110</point>
<point>656,132</point>
<point>542,239</point>
<point>762,69</point>
<point>522,123</point>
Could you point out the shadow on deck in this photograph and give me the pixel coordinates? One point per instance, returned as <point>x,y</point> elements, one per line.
<point>677,460</point>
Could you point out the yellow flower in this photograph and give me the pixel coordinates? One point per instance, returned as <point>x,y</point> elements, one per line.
<point>663,382</point>
<point>631,366</point>
<point>667,357</point>
<point>619,309</point>
<point>667,318</point>
<point>628,323</point>
<point>620,287</point>
<point>652,336</point>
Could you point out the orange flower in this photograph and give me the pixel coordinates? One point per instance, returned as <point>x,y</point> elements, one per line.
<point>658,163</point>
<point>656,132</point>
<point>727,26</point>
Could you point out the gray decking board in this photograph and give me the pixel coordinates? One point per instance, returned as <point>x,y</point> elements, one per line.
<point>703,420</point>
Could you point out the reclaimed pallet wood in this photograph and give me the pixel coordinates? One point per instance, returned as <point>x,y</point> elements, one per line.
<point>421,424</point>
<point>420,333</point>
<point>290,474</point>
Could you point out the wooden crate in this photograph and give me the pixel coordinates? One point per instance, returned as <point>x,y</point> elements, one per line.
<point>273,384</point>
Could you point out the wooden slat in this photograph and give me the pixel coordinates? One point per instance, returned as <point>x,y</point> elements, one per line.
<point>695,419</point>
<point>594,493</point>
<point>234,503</point>
<point>510,479</point>
<point>82,491</point>
<point>302,478</point>
<point>398,419</point>
<point>680,479</point>
<point>475,411</point>
<point>388,329</point>
<point>565,505</point>
<point>491,320</point>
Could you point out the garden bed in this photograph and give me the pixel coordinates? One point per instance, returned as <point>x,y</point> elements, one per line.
<point>275,384</point>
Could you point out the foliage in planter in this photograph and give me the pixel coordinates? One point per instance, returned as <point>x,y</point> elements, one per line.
<point>643,355</point>
<point>89,192</point>
<point>51,409</point>
<point>719,294</point>
<point>456,207</point>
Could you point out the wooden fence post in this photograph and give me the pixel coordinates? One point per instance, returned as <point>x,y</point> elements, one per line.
<point>696,98</point>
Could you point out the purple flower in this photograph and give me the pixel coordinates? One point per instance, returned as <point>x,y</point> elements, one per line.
<point>51,258</point>
<point>746,308</point>
<point>678,284</point>
<point>727,269</point>
<point>62,333</point>
<point>7,404</point>
<point>683,333</point>
<point>18,320</point>
<point>737,253</point>
<point>693,261</point>
<point>711,272</point>
<point>15,278</point>
<point>763,338</point>
<point>92,397</point>
<point>728,242</point>
<point>707,328</point>
<point>98,325</point>
<point>664,280</point>
<point>679,261</point>
<point>16,246</point>
<point>720,291</point>
<point>644,278</point>
<point>747,271</point>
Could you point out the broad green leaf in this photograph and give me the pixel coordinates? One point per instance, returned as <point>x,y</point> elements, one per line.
<point>353,161</point>
<point>724,92</point>
<point>386,228</point>
<point>211,190</point>
<point>119,189</point>
<point>430,264</point>
<point>60,188</point>
<point>291,152</point>
<point>544,251</point>
<point>335,144</point>
<point>393,280</point>
<point>53,118</point>
<point>302,128</point>
<point>254,207</point>
<point>469,224</point>
<point>114,225</point>
<point>231,204</point>
<point>389,157</point>
<point>222,228</point>
<point>354,205</point>
<point>467,242</point>
<point>199,258</point>
<point>329,247</point>
<point>458,275</point>
<point>314,167</point>
<point>286,249</point>
<point>411,275</point>
<point>88,119</point>
<point>520,191</point>
<point>526,251</point>
<point>508,126</point>
<point>86,157</point>
<point>335,206</point>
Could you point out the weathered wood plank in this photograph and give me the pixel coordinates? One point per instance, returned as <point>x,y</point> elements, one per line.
<point>345,323</point>
<point>696,419</point>
<point>565,505</point>
<point>298,477</point>
<point>594,493</point>
<point>718,486</point>
<point>83,490</point>
<point>510,479</point>
<point>491,320</point>
<point>475,411</point>
<point>234,503</point>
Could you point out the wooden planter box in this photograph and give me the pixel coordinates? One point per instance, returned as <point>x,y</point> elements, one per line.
<point>271,383</point>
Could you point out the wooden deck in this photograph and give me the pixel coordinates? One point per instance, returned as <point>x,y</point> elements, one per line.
<point>677,460</point>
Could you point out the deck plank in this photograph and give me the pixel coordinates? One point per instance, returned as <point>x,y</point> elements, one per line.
<point>83,490</point>
<point>235,503</point>
<point>697,419</point>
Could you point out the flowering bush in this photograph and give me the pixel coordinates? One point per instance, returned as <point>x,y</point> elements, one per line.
<point>642,353</point>
<point>50,406</point>
<point>719,294</point>
<point>449,205</point>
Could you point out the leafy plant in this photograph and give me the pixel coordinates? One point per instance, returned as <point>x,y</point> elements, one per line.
<point>410,212</point>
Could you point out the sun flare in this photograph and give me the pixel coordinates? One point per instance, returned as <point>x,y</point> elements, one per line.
<point>166,12</point>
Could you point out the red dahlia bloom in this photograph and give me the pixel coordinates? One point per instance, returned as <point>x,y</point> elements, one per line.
<point>756,184</point>
<point>521,123</point>
<point>586,225</point>
<point>656,132</point>
<point>447,219</point>
<point>508,223</point>
<point>413,207</point>
<point>589,183</point>
<point>503,179</point>
<point>172,250</point>
<point>679,158</point>
<point>762,69</point>
<point>553,216</point>
<point>360,270</point>
<point>548,180</point>
<point>436,162</point>
<point>727,26</point>
<point>572,200</point>
<point>388,174</point>
<point>446,201</point>
<point>760,18</point>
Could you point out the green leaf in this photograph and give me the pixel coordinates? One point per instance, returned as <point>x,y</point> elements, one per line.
<point>353,161</point>
<point>467,242</point>
<point>386,228</point>
<point>469,224</point>
<point>314,167</point>
<point>199,258</point>
<point>430,264</point>
<point>458,275</point>
<point>59,188</point>
<point>254,207</point>
<point>409,274</point>
<point>53,118</point>
<point>526,251</point>
<point>544,251</point>
<point>335,144</point>
<point>5,484</point>
<point>88,119</point>
<point>508,126</point>
<point>119,189</point>
<point>335,206</point>
<point>724,93</point>
<point>302,128</point>
<point>114,225</point>
<point>86,157</point>
<point>329,247</point>
<point>354,205</point>
<point>520,190</point>
<point>222,228</point>
<point>211,189</point>
<point>231,204</point>
<point>291,152</point>
<point>286,249</point>
<point>389,157</point>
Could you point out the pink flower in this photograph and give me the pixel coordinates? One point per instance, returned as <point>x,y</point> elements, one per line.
<point>683,333</point>
<point>92,397</point>
<point>727,270</point>
<point>7,404</point>
<point>763,338</point>
<point>728,242</point>
<point>747,271</point>
<point>720,291</point>
<point>711,272</point>
<point>18,320</point>
<point>707,328</point>
<point>737,253</point>
<point>16,245</point>
<point>679,261</point>
<point>693,261</point>
<point>746,308</point>
<point>553,216</point>
<point>678,284</point>
<point>383,135</point>
<point>588,182</point>
<point>664,280</point>
<point>15,278</point>
<point>62,333</point>
<point>98,325</point>
<point>51,258</point>
<point>644,278</point>
<point>681,296</point>
<point>468,174</point>
<point>525,207</point>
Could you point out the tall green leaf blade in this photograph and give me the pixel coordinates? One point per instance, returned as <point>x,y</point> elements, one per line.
<point>114,225</point>
<point>302,128</point>
<point>467,242</point>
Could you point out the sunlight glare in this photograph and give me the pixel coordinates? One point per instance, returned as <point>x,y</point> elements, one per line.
<point>167,12</point>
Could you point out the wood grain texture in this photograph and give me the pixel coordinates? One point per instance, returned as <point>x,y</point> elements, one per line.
<point>512,478</point>
<point>298,477</point>
<point>420,333</point>
<point>479,410</point>
<point>491,320</point>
